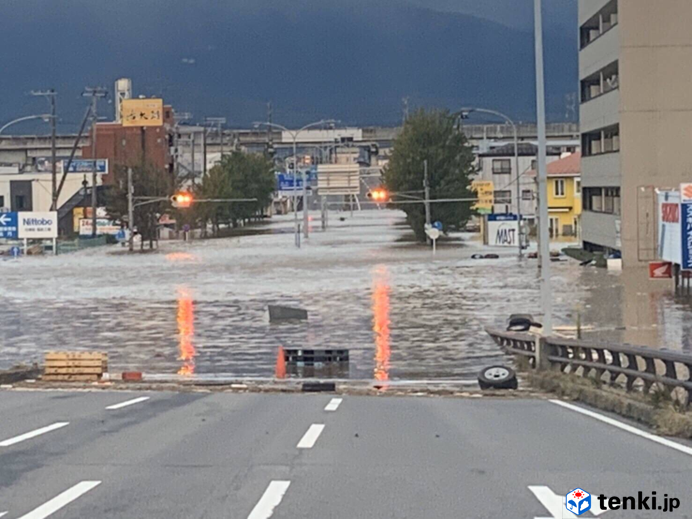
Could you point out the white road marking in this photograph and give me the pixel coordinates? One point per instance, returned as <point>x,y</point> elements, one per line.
<point>308,441</point>
<point>62,500</point>
<point>3,513</point>
<point>620,425</point>
<point>556,504</point>
<point>270,500</point>
<point>127,403</point>
<point>33,434</point>
<point>334,404</point>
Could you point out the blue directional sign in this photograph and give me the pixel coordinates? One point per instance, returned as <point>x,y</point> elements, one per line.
<point>9,227</point>
<point>437,225</point>
<point>686,225</point>
<point>288,181</point>
<point>86,166</point>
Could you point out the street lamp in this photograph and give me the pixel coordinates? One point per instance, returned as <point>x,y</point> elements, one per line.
<point>45,117</point>
<point>294,135</point>
<point>464,113</point>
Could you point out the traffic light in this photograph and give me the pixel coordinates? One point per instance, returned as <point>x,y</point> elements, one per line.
<point>379,195</point>
<point>181,200</point>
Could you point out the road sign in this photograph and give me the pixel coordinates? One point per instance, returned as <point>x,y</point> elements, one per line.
<point>503,230</point>
<point>660,270</point>
<point>686,225</point>
<point>437,225</point>
<point>338,179</point>
<point>141,112</point>
<point>34,225</point>
<point>15,252</point>
<point>8,226</point>
<point>85,166</point>
<point>485,190</point>
<point>433,233</point>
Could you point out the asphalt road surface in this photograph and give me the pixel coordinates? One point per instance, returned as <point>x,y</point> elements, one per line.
<point>221,455</point>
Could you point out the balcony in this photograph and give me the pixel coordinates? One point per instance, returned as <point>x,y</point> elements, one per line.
<point>601,170</point>
<point>601,229</point>
<point>600,52</point>
<point>600,112</point>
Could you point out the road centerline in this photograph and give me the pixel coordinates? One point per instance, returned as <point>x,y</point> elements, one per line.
<point>333,404</point>
<point>62,500</point>
<point>33,434</point>
<point>625,427</point>
<point>270,500</point>
<point>128,403</point>
<point>310,437</point>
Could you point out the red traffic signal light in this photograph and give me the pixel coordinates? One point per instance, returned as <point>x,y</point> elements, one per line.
<point>181,200</point>
<point>379,195</point>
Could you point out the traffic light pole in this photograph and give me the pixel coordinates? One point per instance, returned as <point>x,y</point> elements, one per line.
<point>426,187</point>
<point>130,210</point>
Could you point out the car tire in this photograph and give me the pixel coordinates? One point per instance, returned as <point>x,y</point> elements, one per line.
<point>497,377</point>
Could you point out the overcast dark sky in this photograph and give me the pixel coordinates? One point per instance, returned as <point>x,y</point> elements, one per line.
<point>352,60</point>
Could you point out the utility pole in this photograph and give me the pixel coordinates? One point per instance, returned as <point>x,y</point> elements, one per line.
<point>204,151</point>
<point>218,121</point>
<point>95,93</point>
<point>426,188</point>
<point>546,296</point>
<point>51,95</point>
<point>405,106</point>
<point>130,211</point>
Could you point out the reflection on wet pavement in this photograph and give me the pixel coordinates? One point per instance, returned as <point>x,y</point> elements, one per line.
<point>380,311</point>
<point>186,331</point>
<point>201,307</point>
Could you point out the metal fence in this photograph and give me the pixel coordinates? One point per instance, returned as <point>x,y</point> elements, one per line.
<point>639,366</point>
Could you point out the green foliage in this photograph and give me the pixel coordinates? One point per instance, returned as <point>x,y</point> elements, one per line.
<point>148,181</point>
<point>239,175</point>
<point>433,136</point>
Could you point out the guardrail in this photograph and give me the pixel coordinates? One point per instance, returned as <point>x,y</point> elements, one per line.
<point>639,366</point>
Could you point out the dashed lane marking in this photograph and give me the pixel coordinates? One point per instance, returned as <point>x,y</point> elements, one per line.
<point>270,500</point>
<point>64,499</point>
<point>334,404</point>
<point>310,437</point>
<point>128,403</point>
<point>33,434</point>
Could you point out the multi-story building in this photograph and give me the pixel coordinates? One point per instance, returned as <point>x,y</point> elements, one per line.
<point>635,118</point>
<point>498,166</point>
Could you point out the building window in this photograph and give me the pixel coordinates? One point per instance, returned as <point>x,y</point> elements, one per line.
<point>534,165</point>
<point>606,140</point>
<point>502,166</point>
<point>526,194</point>
<point>599,24</point>
<point>559,187</point>
<point>2,202</point>
<point>605,80</point>
<point>577,187</point>
<point>503,197</point>
<point>20,202</point>
<point>602,200</point>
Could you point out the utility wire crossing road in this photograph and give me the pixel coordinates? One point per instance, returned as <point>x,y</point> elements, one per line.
<point>201,455</point>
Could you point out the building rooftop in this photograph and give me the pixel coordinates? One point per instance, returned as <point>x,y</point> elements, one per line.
<point>569,166</point>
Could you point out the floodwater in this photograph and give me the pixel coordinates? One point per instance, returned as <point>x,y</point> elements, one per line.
<point>200,308</point>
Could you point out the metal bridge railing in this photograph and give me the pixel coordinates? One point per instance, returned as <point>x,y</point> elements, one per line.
<point>639,366</point>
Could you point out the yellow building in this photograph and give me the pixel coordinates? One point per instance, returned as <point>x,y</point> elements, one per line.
<point>564,196</point>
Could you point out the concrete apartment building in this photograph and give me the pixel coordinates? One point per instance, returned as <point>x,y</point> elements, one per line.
<point>636,118</point>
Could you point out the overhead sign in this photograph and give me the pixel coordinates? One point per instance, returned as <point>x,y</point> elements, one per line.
<point>503,230</point>
<point>485,191</point>
<point>141,112</point>
<point>660,270</point>
<point>686,225</point>
<point>85,166</point>
<point>33,225</point>
<point>338,179</point>
<point>9,228</point>
<point>289,182</point>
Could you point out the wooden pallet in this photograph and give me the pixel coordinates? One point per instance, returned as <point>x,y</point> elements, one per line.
<point>76,366</point>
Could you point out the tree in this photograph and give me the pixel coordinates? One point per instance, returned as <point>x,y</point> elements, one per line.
<point>148,181</point>
<point>433,136</point>
<point>239,175</point>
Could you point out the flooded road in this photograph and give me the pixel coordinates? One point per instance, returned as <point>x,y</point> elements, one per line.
<point>200,308</point>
